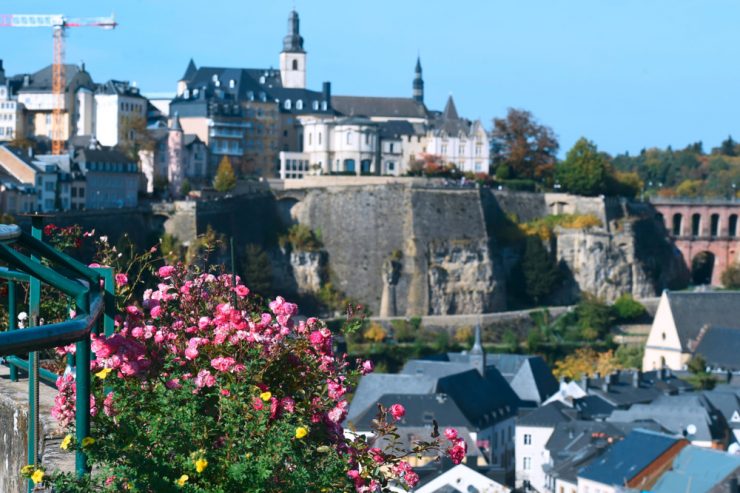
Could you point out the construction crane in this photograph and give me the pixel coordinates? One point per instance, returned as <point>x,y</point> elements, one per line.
<point>59,24</point>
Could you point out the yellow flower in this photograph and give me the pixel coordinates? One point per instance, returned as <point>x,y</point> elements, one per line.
<point>65,443</point>
<point>87,441</point>
<point>27,470</point>
<point>103,373</point>
<point>200,465</point>
<point>183,479</point>
<point>301,432</point>
<point>37,476</point>
<point>265,396</point>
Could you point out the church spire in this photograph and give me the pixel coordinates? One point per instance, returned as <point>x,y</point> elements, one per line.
<point>418,85</point>
<point>293,41</point>
<point>477,355</point>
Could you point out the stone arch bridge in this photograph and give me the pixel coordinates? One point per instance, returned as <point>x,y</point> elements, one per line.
<point>703,227</point>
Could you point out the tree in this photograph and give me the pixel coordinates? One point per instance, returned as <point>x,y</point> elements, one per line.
<point>257,270</point>
<point>134,136</point>
<point>586,361</point>
<point>700,377</point>
<point>225,179</point>
<point>525,147</point>
<point>585,171</point>
<point>728,147</point>
<point>731,277</point>
<point>594,318</point>
<point>540,273</point>
<point>626,308</point>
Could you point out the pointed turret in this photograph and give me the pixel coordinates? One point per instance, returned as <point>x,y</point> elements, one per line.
<point>450,112</point>
<point>418,85</point>
<point>190,71</point>
<point>477,354</point>
<point>176,123</point>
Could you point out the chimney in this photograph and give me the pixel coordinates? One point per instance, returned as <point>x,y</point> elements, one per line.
<point>30,151</point>
<point>584,382</point>
<point>326,90</point>
<point>636,377</point>
<point>606,383</point>
<point>26,80</point>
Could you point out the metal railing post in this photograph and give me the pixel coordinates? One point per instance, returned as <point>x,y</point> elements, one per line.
<point>109,289</point>
<point>12,322</point>
<point>34,308</point>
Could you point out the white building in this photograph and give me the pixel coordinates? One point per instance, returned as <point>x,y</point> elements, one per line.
<point>533,430</point>
<point>679,323</point>
<point>118,105</point>
<point>459,142</point>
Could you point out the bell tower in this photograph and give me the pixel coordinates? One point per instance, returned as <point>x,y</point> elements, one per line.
<point>293,56</point>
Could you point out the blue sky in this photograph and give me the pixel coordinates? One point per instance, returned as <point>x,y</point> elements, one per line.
<point>626,74</point>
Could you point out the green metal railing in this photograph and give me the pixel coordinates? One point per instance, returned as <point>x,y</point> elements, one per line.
<point>92,293</point>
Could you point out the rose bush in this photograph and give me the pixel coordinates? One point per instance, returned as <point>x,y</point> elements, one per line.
<point>203,389</point>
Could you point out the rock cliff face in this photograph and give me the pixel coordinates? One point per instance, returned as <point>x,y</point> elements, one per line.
<point>603,264</point>
<point>461,278</point>
<point>307,268</point>
<point>446,265</point>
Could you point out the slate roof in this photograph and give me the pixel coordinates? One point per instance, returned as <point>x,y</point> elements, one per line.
<point>575,444</point>
<point>529,376</point>
<point>676,412</point>
<point>720,347</point>
<point>421,409</point>
<point>433,369</point>
<point>593,407</point>
<point>697,470</point>
<point>379,107</point>
<point>626,459</point>
<point>119,87</point>
<point>547,416</point>
<point>394,129</point>
<point>85,155</point>
<point>484,401</point>
<point>727,402</point>
<point>693,310</point>
<point>41,81</point>
<point>372,387</point>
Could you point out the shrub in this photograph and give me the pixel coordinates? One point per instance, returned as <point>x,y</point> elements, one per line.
<point>594,318</point>
<point>301,238</point>
<point>731,277</point>
<point>200,390</point>
<point>403,330</point>
<point>225,179</point>
<point>627,309</point>
<point>375,333</point>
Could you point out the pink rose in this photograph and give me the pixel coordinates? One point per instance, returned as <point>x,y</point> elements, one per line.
<point>397,411</point>
<point>121,279</point>
<point>205,379</point>
<point>367,367</point>
<point>450,433</point>
<point>242,290</point>
<point>165,271</point>
<point>411,478</point>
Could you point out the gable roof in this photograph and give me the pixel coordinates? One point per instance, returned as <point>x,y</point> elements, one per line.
<point>626,459</point>
<point>41,81</point>
<point>373,386</point>
<point>720,347</point>
<point>450,111</point>
<point>547,416</point>
<point>697,470</point>
<point>459,478</point>
<point>379,107</point>
<point>693,310</point>
<point>726,401</point>
<point>484,401</point>
<point>421,409</point>
<point>675,413</point>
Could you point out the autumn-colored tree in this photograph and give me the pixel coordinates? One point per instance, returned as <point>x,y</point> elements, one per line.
<point>523,147</point>
<point>134,136</point>
<point>586,361</point>
<point>225,179</point>
<point>375,333</point>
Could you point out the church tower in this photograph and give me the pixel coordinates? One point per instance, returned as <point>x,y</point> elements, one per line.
<point>293,56</point>
<point>477,357</point>
<point>418,85</point>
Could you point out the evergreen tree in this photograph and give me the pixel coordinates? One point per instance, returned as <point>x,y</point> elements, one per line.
<point>540,274</point>
<point>225,179</point>
<point>257,270</point>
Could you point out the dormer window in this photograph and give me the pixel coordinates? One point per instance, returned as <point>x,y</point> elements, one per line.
<point>287,104</point>
<point>250,95</point>
<point>262,79</point>
<point>299,104</point>
<point>315,105</point>
<point>232,84</point>
<point>323,105</point>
